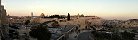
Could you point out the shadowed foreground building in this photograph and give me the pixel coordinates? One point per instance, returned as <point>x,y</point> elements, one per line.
<point>3,23</point>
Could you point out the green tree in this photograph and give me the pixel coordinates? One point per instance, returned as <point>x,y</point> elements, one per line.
<point>128,36</point>
<point>27,22</point>
<point>82,15</point>
<point>68,18</point>
<point>41,33</point>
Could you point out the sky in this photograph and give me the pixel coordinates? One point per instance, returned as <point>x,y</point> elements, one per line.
<point>103,8</point>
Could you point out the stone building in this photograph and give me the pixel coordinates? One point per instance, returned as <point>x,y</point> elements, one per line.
<point>130,23</point>
<point>3,23</point>
<point>2,15</point>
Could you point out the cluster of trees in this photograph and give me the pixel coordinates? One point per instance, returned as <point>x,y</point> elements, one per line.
<point>60,16</point>
<point>40,32</point>
<point>101,36</point>
<point>128,36</point>
<point>13,33</point>
<point>81,15</point>
<point>55,16</point>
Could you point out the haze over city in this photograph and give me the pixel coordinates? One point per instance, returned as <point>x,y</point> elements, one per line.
<point>114,9</point>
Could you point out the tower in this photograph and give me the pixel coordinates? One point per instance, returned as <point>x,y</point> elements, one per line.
<point>32,14</point>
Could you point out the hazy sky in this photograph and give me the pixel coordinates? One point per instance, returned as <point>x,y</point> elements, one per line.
<point>106,8</point>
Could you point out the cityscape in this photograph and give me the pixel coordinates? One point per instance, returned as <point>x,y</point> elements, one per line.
<point>67,25</point>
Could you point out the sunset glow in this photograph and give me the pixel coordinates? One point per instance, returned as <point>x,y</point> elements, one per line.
<point>114,8</point>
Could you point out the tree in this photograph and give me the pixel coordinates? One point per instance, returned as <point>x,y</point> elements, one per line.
<point>57,16</point>
<point>82,15</point>
<point>27,22</point>
<point>68,18</point>
<point>128,36</point>
<point>41,33</point>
